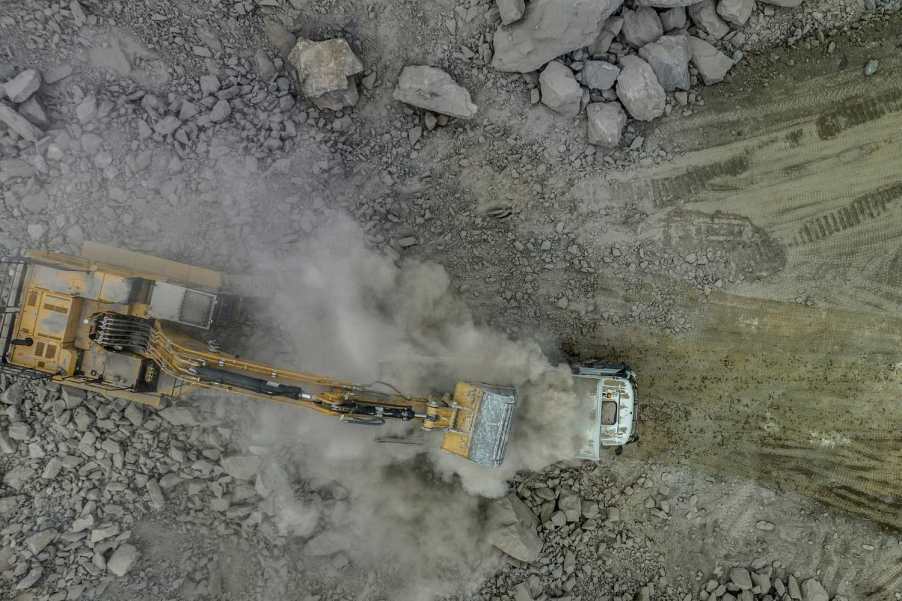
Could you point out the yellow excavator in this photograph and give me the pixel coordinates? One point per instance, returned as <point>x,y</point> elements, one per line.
<point>132,326</point>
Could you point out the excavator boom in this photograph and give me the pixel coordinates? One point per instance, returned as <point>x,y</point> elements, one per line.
<point>136,327</point>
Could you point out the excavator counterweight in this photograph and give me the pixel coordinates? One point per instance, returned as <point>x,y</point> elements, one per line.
<point>126,325</point>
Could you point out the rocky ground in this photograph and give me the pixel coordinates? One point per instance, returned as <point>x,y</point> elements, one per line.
<point>516,155</point>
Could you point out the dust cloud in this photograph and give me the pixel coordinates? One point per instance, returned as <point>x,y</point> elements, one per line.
<point>349,312</point>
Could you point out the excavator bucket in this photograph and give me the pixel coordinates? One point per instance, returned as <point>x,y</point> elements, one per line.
<point>480,422</point>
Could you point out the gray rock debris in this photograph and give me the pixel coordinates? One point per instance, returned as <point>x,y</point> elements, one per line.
<point>571,505</point>
<point>712,64</point>
<point>434,90</point>
<point>511,10</point>
<point>221,111</point>
<point>86,110</point>
<point>22,86</point>
<point>599,75</point>
<point>122,560</point>
<point>7,446</point>
<point>675,18</point>
<point>669,59</point>
<point>560,91</point>
<point>736,12</point>
<point>241,467</point>
<point>32,110</point>
<point>511,527</point>
<point>549,29</point>
<point>704,15</point>
<point>784,3</point>
<point>606,121</point>
<point>325,72</point>
<point>638,89</point>
<point>19,124</point>
<point>641,26</point>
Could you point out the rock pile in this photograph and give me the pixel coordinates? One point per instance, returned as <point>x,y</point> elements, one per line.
<point>632,56</point>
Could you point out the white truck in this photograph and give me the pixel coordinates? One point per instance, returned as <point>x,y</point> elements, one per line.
<point>609,389</point>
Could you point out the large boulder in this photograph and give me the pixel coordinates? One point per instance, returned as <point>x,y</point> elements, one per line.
<point>549,29</point>
<point>669,59</point>
<point>325,72</point>
<point>641,26</point>
<point>560,92</point>
<point>712,64</point>
<point>638,89</point>
<point>511,527</point>
<point>434,90</point>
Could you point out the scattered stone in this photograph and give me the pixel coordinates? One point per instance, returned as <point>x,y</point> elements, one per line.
<point>157,500</point>
<point>641,26</point>
<point>13,395</point>
<point>638,89</point>
<point>83,523</point>
<point>22,86</point>
<point>20,431</point>
<point>32,110</point>
<point>34,574</point>
<point>871,67</point>
<point>209,84</point>
<point>122,560</point>
<point>604,40</point>
<point>38,541</point>
<point>793,586</point>
<point>704,15</point>
<point>7,446</point>
<point>666,3</point>
<point>265,67</point>
<point>784,3</point>
<point>669,58</point>
<point>407,242</point>
<point>571,505</point>
<point>19,124</point>
<point>241,467</point>
<point>560,91</point>
<point>167,125</point>
<point>179,416</point>
<point>52,469</point>
<point>812,590</point>
<point>58,73</point>
<point>18,477</point>
<point>736,12</point>
<point>434,90</point>
<point>712,64</point>
<point>606,121</point>
<point>221,111</point>
<point>86,111</point>
<point>8,505</point>
<point>675,18</point>
<point>511,10</point>
<point>325,72</point>
<point>549,29</point>
<point>741,578</point>
<point>522,592</point>
<point>599,75</point>
<point>103,532</point>
<point>764,526</point>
